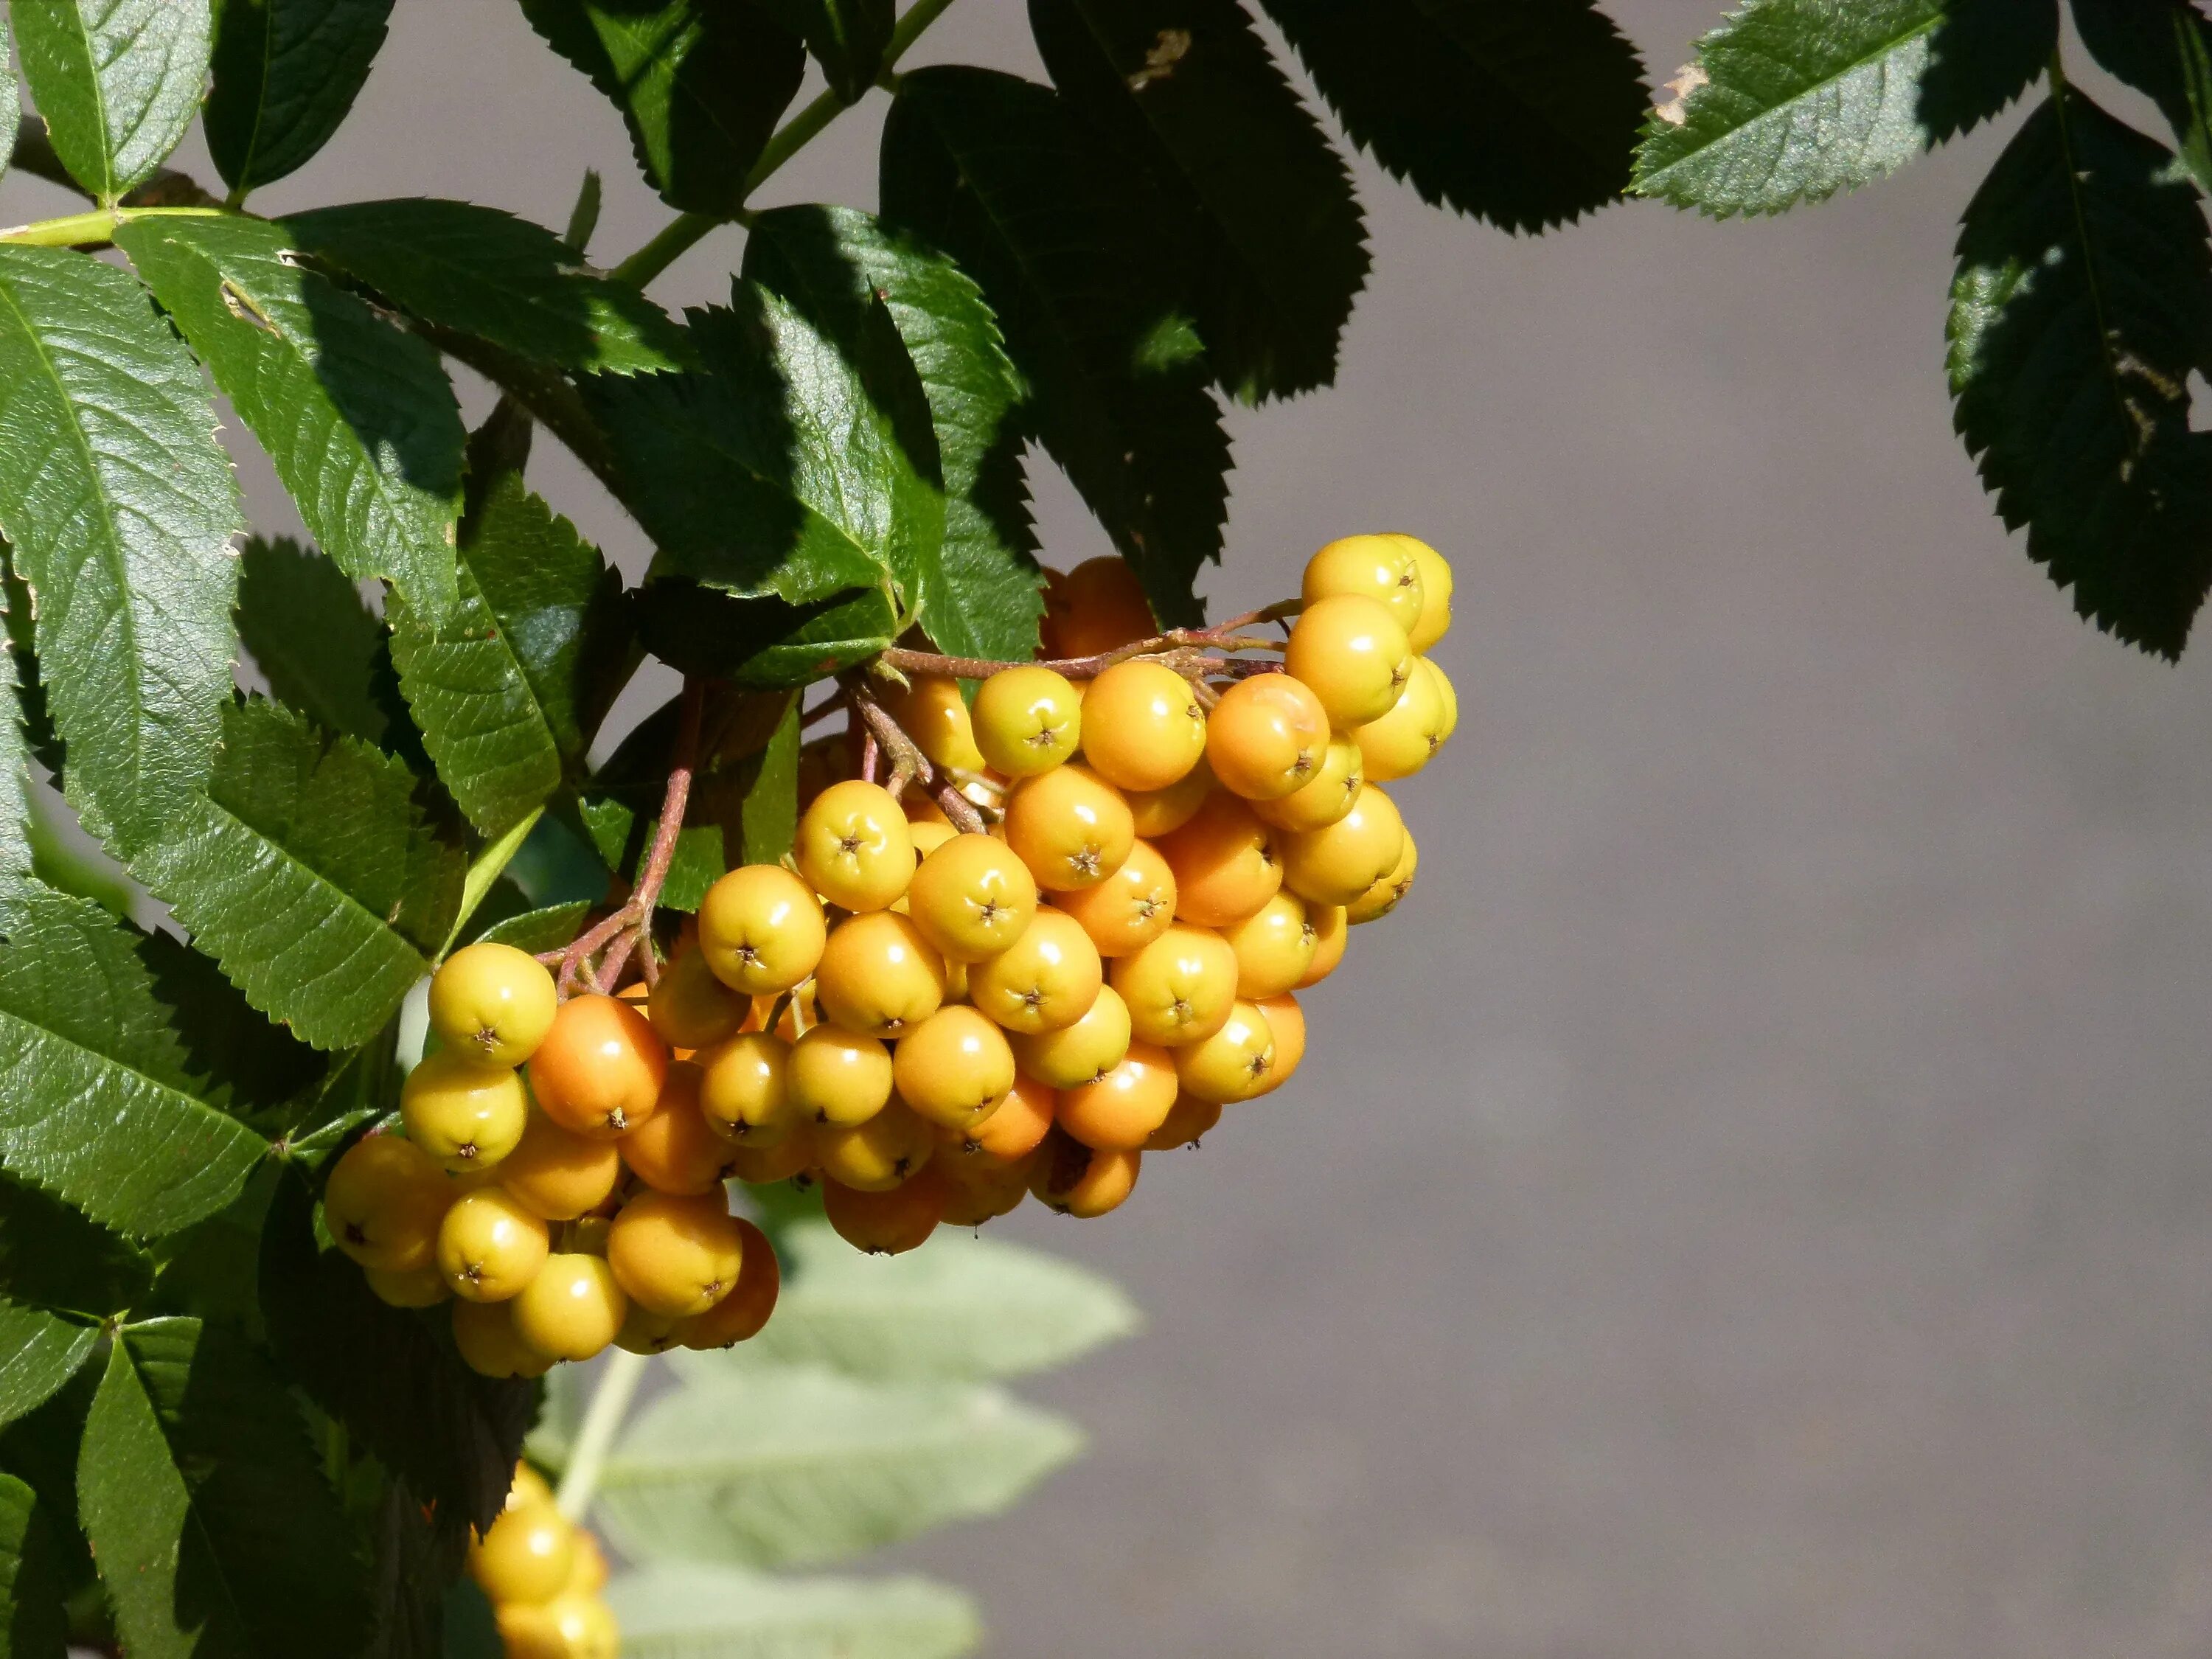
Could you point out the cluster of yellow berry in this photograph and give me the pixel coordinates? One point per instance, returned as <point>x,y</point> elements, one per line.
<point>542,1575</point>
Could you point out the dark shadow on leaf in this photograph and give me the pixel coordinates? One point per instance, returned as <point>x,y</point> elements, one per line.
<point>1981,57</point>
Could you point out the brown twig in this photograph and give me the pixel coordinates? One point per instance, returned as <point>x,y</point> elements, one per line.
<point>1174,648</point>
<point>908,764</point>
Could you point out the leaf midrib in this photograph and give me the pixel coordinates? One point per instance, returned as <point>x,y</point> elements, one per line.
<point>107,193</point>
<point>10,1017</point>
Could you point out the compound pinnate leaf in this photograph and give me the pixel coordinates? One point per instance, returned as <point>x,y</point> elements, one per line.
<point>678,1612</point>
<point>486,273</point>
<point>838,266</point>
<point>308,873</point>
<point>958,1308</point>
<point>98,1105</point>
<point>120,506</point>
<point>793,1464</point>
<point>33,1622</point>
<point>1262,206</point>
<point>846,37</point>
<point>508,692</point>
<point>999,173</point>
<point>119,82</point>
<point>1792,100</point>
<point>358,417</point>
<point>700,83</point>
<point>2082,302</point>
<point>214,1528</point>
<point>286,72</point>
<point>2162,47</point>
<point>1523,112</point>
<point>314,640</point>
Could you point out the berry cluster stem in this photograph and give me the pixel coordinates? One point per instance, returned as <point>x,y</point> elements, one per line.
<point>881,731</point>
<point>1183,649</point>
<point>595,1436</point>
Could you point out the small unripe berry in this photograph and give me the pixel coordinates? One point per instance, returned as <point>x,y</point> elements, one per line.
<point>875,1156</point>
<point>972,897</point>
<point>676,1254</point>
<point>1078,1054</point>
<point>1070,827</point>
<point>573,1308</point>
<point>954,1068</point>
<point>1027,720</point>
<point>465,1115</point>
<point>1180,987</point>
<point>1235,1063</point>
<point>887,1223</point>
<point>690,1008</point>
<point>739,1316</point>
<point>492,1003</point>
<point>1076,1179</point>
<point>1337,865</point>
<point>557,1174</point>
<point>676,1150</point>
<point>878,975</point>
<point>1046,979</point>
<point>745,1094</point>
<point>1382,569</point>
<point>1224,863</point>
<point>1122,1109</point>
<point>1435,594</point>
<point>760,930</point>
<point>485,1333</point>
<point>1328,798</point>
<point>1131,907</point>
<point>1268,737</point>
<point>838,1077</point>
<point>854,845</point>
<point>490,1247</point>
<point>384,1201</point>
<point>527,1556</point>
<point>1331,932</point>
<point>1142,726</point>
<point>1380,900</point>
<point>1188,1120</point>
<point>600,1068</point>
<point>1352,654</point>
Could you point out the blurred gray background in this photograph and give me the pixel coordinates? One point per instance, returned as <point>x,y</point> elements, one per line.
<point>1757,1198</point>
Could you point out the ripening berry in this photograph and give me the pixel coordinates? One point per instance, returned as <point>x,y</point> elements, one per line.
<point>837,1077</point>
<point>1070,827</point>
<point>465,1115</point>
<point>739,1316</point>
<point>1381,899</point>
<point>854,845</point>
<point>1288,1023</point>
<point>384,1201</point>
<point>1027,719</point>
<point>1224,863</point>
<point>1188,1120</point>
<point>677,1149</point>
<point>763,1166</point>
<point>1335,865</point>
<point>1156,812</point>
<point>492,1003</point>
<point>954,1068</point>
<point>932,712</point>
<point>972,897</point>
<point>527,1555</point>
<point>569,1627</point>
<point>1328,798</point>
<point>889,1223</point>
<point>1098,606</point>
<point>878,975</point>
<point>490,1247</point>
<point>589,1576</point>
<point>1180,987</point>
<point>745,1093</point>
<point>1046,979</point>
<point>1352,654</point>
<point>408,1287</point>
<point>528,1487</point>
<point>644,1331</point>
<point>1400,743</point>
<point>1379,568</point>
<point>1330,930</point>
<point>1009,1135</point>
<point>1122,1109</point>
<point>1131,907</point>
<point>1076,1179</point>
<point>1274,947</point>
<point>1233,1064</point>
<point>484,1333</point>
<point>1268,737</point>
<point>600,1068</point>
<point>676,1254</point>
<point>1077,1054</point>
<point>1449,698</point>
<point>1142,726</point>
<point>760,930</point>
<point>875,1156</point>
<point>573,1308</point>
<point>980,1190</point>
<point>1435,594</point>
<point>557,1174</point>
<point>690,1008</point>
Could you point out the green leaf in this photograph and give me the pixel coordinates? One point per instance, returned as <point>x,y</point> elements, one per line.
<point>56,1258</point>
<point>1792,100</point>
<point>771,470</point>
<point>837,266</point>
<point>358,417</point>
<point>215,1530</point>
<point>1523,112</point>
<point>1261,206</point>
<point>846,38</point>
<point>960,1307</point>
<point>770,816</point>
<point>797,1465</point>
<point>120,506</point>
<point>308,872</point>
<point>546,929</point>
<point>15,831</point>
<point>119,82</point>
<point>286,72</point>
<point>22,652</point>
<point>700,83</point>
<point>314,640</point>
<point>239,1061</point>
<point>508,692</point>
<point>2083,300</point>
<point>999,174</point>
<point>673,1612</point>
<point>11,104</point>
<point>97,1103</point>
<point>2162,47</point>
<point>33,1624</point>
<point>764,642</point>
<point>38,1352</point>
<point>486,273</point>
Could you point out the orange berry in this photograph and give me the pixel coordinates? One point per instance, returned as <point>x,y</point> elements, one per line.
<point>1027,720</point>
<point>932,712</point>
<point>1381,899</point>
<point>1233,1064</point>
<point>1337,865</point>
<point>1122,1109</point>
<point>745,1093</point>
<point>1288,1023</point>
<point>854,845</point>
<point>1188,1120</point>
<point>573,1308</point>
<point>1076,1179</point>
<point>676,1150</point>
<point>490,1247</point>
<point>838,1077</point>
<point>556,1173</point>
<point>1009,1135</point>
<point>763,1166</point>
<point>1331,931</point>
<point>1352,654</point>
<point>1180,987</point>
<point>1070,827</point>
<point>1046,979</point>
<point>690,1008</point>
<point>1078,1054</point>
<point>1435,594</point>
<point>1268,737</point>
<point>887,1223</point>
<point>878,977</point>
<point>972,897</point>
<point>1328,798</point>
<point>1380,568</point>
<point>676,1256</point>
<point>760,930</point>
<point>1156,812</point>
<point>492,1003</point>
<point>980,1190</point>
<point>600,1068</point>
<point>383,1204</point>
<point>1142,726</point>
<point>1224,863</point>
<point>1131,907</point>
<point>484,1333</point>
<point>1098,606</point>
<point>739,1316</point>
<point>954,1068</point>
<point>875,1156</point>
<point>1274,946</point>
<point>1400,743</point>
<point>465,1115</point>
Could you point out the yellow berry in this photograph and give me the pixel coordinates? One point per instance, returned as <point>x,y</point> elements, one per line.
<point>1075,1054</point>
<point>1337,865</point>
<point>1382,569</point>
<point>1070,827</point>
<point>1400,743</point>
<point>676,1254</point>
<point>1156,812</point>
<point>1330,934</point>
<point>1274,947</point>
<point>1435,594</point>
<point>1131,907</point>
<point>1381,899</point>
<point>1328,798</point>
<point>492,1003</point>
<point>1009,1135</point>
<point>972,897</point>
<point>854,845</point>
<point>676,1150</point>
<point>1027,720</point>
<point>573,1308</point>
<point>569,1627</point>
<point>838,1077</point>
<point>745,1093</point>
<point>954,1068</point>
<point>933,712</point>
<point>490,1247</point>
<point>528,1487</point>
<point>600,1068</point>
<point>1352,654</point>
<point>1046,979</point>
<point>1448,696</point>
<point>877,1155</point>
<point>1233,1064</point>
<point>589,1576</point>
<point>690,1007</point>
<point>1288,1023</point>
<point>1268,737</point>
<point>1142,726</point>
<point>760,930</point>
<point>1188,1120</point>
<point>878,975</point>
<point>739,1316</point>
<point>1080,1181</point>
<point>557,1174</point>
<point>1122,1109</point>
<point>383,1204</point>
<point>485,1333</point>
<point>887,1223</point>
<point>1224,863</point>
<point>646,1332</point>
<point>465,1115</point>
<point>527,1555</point>
<point>408,1287</point>
<point>1180,987</point>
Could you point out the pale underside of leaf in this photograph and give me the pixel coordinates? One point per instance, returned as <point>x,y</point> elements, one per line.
<point>675,1612</point>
